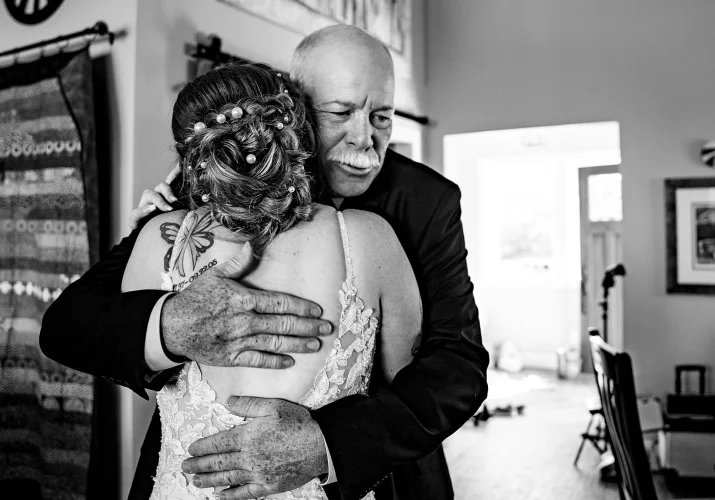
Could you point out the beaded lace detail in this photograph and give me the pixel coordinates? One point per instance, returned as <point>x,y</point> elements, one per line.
<point>189,409</point>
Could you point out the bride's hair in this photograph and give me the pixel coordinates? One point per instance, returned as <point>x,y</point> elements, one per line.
<point>243,135</point>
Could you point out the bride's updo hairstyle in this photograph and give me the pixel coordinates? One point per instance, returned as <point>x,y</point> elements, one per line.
<point>243,136</point>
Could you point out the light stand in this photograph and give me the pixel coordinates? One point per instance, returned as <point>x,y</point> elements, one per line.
<point>607,283</point>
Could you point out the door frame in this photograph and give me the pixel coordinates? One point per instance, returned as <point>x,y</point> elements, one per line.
<point>586,228</point>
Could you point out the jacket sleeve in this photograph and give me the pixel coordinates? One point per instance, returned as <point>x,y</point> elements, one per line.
<point>369,436</point>
<point>95,328</point>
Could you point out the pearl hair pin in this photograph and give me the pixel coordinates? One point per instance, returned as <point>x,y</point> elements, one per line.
<point>221,118</point>
<point>205,198</point>
<point>199,127</point>
<point>251,159</point>
<point>236,113</point>
<point>203,164</point>
<point>286,118</point>
<point>279,126</point>
<point>291,189</point>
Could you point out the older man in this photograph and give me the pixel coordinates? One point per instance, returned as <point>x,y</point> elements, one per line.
<point>360,441</point>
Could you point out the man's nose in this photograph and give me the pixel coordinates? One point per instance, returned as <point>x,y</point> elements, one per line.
<point>360,131</point>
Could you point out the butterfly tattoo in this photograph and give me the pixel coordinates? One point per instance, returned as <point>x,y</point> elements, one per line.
<point>189,246</point>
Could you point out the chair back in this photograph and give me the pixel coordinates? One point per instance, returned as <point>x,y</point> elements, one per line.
<point>614,377</point>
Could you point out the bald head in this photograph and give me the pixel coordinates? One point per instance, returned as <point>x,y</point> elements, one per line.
<point>340,41</point>
<point>350,80</point>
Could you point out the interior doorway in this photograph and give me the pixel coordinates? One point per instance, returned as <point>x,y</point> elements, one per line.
<point>521,217</point>
<point>601,216</point>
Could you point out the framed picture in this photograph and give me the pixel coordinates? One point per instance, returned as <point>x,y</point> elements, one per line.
<point>690,235</point>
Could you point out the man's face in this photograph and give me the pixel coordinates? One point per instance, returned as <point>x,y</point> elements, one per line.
<point>353,96</point>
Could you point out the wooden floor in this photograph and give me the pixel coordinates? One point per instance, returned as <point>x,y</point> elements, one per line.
<point>530,457</point>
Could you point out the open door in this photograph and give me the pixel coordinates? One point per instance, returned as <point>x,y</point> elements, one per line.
<point>601,214</point>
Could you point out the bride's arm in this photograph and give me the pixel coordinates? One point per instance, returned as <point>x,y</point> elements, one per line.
<point>401,307</point>
<point>400,302</point>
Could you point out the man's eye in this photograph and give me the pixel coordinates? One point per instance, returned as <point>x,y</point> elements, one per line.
<point>379,121</point>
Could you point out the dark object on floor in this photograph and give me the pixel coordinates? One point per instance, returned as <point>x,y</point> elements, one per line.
<point>485,414</point>
<point>482,415</point>
<point>614,374</point>
<point>508,410</point>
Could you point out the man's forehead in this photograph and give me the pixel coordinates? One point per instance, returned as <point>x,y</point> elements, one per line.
<point>336,74</point>
<point>352,87</point>
<point>353,95</point>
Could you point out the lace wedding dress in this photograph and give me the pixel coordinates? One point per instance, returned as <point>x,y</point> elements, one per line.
<point>189,409</point>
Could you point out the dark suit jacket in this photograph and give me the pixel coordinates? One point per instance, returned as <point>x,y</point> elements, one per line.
<point>396,432</point>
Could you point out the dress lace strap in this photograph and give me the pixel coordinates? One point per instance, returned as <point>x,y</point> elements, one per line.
<point>346,246</point>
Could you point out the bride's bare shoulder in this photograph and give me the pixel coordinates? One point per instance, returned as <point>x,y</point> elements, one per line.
<point>322,220</point>
<point>151,248</point>
<point>373,242</point>
<point>175,217</point>
<point>368,225</point>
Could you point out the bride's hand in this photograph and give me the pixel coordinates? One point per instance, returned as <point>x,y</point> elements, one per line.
<point>160,197</point>
<point>280,449</point>
<point>219,322</point>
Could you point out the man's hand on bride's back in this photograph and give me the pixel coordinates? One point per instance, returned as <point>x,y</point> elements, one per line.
<point>219,322</point>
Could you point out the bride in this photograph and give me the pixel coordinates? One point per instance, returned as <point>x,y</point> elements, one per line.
<point>242,134</point>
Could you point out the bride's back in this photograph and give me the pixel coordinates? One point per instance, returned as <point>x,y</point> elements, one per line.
<point>312,260</point>
<point>307,261</point>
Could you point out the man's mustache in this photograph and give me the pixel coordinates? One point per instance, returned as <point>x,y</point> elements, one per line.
<point>361,159</point>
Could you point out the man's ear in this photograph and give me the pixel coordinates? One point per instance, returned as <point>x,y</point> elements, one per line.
<point>311,123</point>
<point>311,143</point>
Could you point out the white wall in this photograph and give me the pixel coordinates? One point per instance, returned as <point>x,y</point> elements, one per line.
<point>648,64</point>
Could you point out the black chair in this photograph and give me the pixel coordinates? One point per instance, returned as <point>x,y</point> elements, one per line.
<point>595,433</point>
<point>614,376</point>
<point>595,430</point>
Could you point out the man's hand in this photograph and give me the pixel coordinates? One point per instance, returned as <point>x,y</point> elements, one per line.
<point>159,197</point>
<point>280,449</point>
<point>219,322</point>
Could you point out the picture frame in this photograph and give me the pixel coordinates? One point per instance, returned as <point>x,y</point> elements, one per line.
<point>690,235</point>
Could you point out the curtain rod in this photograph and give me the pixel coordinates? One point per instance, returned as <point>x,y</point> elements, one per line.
<point>212,51</point>
<point>100,29</point>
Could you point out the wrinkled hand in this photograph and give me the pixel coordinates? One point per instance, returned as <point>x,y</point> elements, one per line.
<point>220,322</point>
<point>281,449</point>
<point>159,197</point>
